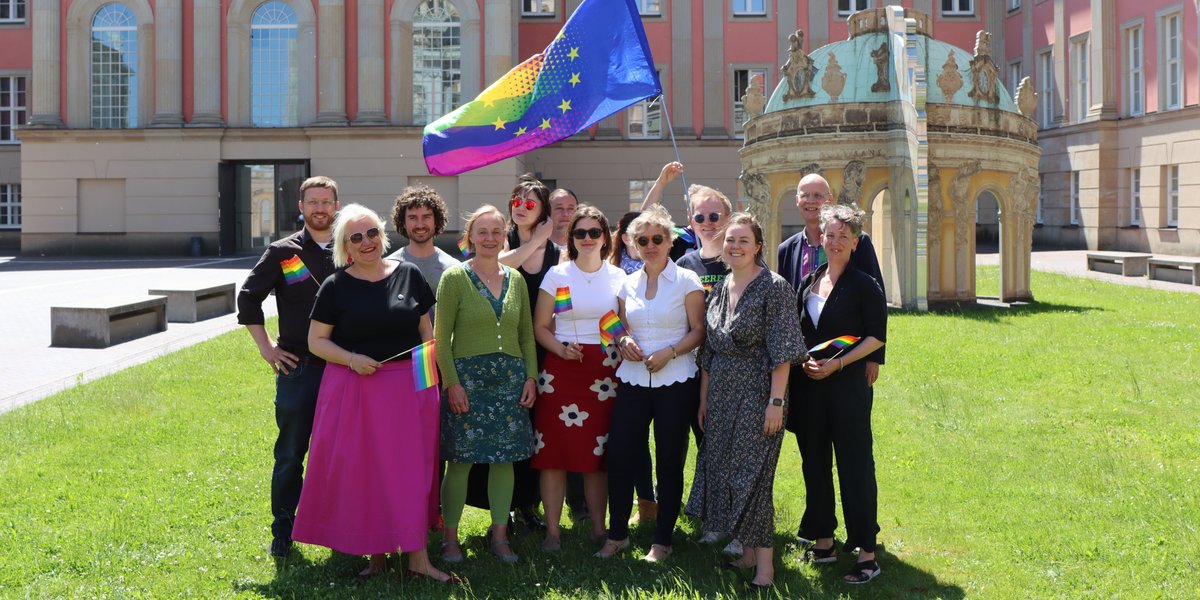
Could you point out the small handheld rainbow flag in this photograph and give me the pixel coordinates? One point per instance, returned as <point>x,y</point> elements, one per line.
<point>464,246</point>
<point>611,328</point>
<point>840,343</point>
<point>424,365</point>
<point>562,300</point>
<point>294,270</point>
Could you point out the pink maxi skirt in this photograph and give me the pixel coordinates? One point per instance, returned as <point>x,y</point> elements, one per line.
<point>370,487</point>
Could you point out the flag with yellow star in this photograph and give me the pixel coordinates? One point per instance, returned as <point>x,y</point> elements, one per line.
<point>597,65</point>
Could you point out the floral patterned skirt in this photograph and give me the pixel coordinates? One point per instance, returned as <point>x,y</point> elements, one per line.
<point>574,410</point>
<point>495,428</point>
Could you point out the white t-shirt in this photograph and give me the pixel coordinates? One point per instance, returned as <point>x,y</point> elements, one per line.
<point>815,305</point>
<point>658,323</point>
<point>592,295</point>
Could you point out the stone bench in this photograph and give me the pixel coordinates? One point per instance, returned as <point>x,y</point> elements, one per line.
<point>1176,269</point>
<point>1129,264</point>
<point>104,322</point>
<point>190,304</point>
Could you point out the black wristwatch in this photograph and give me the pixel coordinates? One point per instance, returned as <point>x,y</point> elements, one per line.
<point>778,402</point>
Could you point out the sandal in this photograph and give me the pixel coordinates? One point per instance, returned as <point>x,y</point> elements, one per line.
<point>658,553</point>
<point>612,548</point>
<point>497,545</point>
<point>862,572</point>
<point>452,558</point>
<point>820,556</point>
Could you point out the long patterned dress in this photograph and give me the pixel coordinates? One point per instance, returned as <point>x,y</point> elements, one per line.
<point>735,468</point>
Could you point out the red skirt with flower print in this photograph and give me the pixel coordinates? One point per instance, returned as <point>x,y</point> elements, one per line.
<point>573,411</point>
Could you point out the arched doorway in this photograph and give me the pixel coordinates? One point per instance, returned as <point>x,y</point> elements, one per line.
<point>879,226</point>
<point>987,244</point>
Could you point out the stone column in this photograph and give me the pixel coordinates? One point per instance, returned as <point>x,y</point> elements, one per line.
<point>47,17</point>
<point>713,73</point>
<point>168,64</point>
<point>1103,60</point>
<point>331,44</point>
<point>680,94</point>
<point>370,63</point>
<point>206,64</point>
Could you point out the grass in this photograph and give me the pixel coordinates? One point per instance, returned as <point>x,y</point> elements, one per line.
<point>1048,450</point>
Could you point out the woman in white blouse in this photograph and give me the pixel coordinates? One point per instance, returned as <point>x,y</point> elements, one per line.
<point>662,307</point>
<point>577,382</point>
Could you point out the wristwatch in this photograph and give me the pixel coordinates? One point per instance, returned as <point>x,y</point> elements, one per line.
<point>778,402</point>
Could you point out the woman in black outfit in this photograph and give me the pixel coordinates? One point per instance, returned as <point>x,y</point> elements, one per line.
<point>832,400</point>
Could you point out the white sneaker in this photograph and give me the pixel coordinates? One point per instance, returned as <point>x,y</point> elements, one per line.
<point>711,537</point>
<point>734,548</point>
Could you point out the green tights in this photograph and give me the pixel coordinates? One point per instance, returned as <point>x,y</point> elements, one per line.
<point>454,492</point>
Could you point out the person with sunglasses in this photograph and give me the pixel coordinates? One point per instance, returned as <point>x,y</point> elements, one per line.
<point>662,307</point>
<point>370,479</point>
<point>577,380</point>
<point>710,213</point>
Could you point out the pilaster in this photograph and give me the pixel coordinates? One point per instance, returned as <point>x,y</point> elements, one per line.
<point>681,69</point>
<point>46,65</point>
<point>206,64</point>
<point>713,73</point>
<point>370,64</point>
<point>331,68</point>
<point>168,64</point>
<point>1103,60</point>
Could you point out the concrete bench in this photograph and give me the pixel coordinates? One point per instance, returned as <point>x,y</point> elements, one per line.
<point>1176,269</point>
<point>1129,264</point>
<point>190,304</point>
<point>101,323</point>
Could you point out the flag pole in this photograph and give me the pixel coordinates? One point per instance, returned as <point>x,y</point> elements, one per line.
<point>687,202</point>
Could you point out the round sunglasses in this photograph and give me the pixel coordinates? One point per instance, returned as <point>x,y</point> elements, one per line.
<point>713,217</point>
<point>658,239</point>
<point>529,204</point>
<point>357,238</point>
<point>593,233</point>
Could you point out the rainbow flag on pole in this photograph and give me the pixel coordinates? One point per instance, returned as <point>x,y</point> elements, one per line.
<point>562,300</point>
<point>840,343</point>
<point>611,328</point>
<point>294,270</point>
<point>424,364</point>
<point>598,64</point>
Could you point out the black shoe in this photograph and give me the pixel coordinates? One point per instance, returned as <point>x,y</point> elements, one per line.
<point>281,547</point>
<point>533,522</point>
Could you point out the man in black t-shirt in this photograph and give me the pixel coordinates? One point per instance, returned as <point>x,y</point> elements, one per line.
<point>293,268</point>
<point>710,211</point>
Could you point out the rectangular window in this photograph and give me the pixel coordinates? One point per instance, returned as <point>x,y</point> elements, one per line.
<point>1041,199</point>
<point>1135,197</point>
<point>12,108</point>
<point>644,120</point>
<point>1014,4</point>
<point>537,8</point>
<point>638,188</point>
<point>1046,97</point>
<point>1173,196</point>
<point>649,8</point>
<point>1135,83</point>
<point>10,206</point>
<point>849,7</point>
<point>1014,77</point>
<point>741,83</point>
<point>1171,66</point>
<point>958,8</point>
<point>1075,216</point>
<point>12,11</point>
<point>1081,63</point>
<point>749,7</point>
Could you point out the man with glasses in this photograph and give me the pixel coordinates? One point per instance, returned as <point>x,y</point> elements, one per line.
<point>293,268</point>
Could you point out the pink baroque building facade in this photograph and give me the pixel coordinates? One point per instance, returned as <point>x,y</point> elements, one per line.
<point>136,126</point>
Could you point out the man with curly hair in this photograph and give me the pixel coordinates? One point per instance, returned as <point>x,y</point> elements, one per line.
<point>420,215</point>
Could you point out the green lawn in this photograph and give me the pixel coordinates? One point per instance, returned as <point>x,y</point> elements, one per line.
<point>1050,450</point>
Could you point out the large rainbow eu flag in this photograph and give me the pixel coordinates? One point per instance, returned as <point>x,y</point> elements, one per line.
<point>597,65</point>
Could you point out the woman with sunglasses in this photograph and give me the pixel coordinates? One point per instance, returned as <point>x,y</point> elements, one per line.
<point>662,307</point>
<point>710,213</point>
<point>369,487</point>
<point>578,378</point>
<point>489,381</point>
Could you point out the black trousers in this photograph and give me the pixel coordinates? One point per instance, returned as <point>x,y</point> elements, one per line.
<point>835,420</point>
<point>670,408</point>
<point>295,406</point>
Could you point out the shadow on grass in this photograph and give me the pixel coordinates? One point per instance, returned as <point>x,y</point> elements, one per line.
<point>995,312</point>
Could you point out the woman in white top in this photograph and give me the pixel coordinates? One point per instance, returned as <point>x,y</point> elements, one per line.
<point>662,307</point>
<point>577,382</point>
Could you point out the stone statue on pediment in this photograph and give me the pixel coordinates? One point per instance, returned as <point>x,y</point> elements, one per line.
<point>799,70</point>
<point>984,72</point>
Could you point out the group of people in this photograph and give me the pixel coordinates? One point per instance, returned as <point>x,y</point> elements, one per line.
<point>709,340</point>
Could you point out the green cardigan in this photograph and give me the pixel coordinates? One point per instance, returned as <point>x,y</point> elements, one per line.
<point>466,325</point>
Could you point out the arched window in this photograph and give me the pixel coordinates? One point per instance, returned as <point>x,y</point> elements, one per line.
<point>437,60</point>
<point>274,89</point>
<point>114,62</point>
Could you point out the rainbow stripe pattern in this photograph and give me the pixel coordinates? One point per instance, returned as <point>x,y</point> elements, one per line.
<point>424,365</point>
<point>611,328</point>
<point>840,343</point>
<point>294,270</point>
<point>464,246</point>
<point>562,300</point>
<point>598,64</point>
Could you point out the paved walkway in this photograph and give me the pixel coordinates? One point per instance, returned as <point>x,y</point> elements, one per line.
<point>30,369</point>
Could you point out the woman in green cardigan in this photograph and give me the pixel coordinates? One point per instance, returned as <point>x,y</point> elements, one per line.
<point>490,381</point>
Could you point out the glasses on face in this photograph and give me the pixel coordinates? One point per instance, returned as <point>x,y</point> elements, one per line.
<point>357,238</point>
<point>529,204</point>
<point>593,233</point>
<point>713,217</point>
<point>644,241</point>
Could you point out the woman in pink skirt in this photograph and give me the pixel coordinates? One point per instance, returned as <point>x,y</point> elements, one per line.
<point>370,488</point>
<point>578,382</point>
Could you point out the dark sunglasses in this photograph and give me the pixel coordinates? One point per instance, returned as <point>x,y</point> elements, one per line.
<point>593,233</point>
<point>712,217</point>
<point>529,204</point>
<point>357,238</point>
<point>645,241</point>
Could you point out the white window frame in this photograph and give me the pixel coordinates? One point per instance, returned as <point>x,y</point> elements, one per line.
<point>645,108</point>
<point>1135,197</point>
<point>16,111</point>
<point>441,91</point>
<point>1081,97</point>
<point>851,6</point>
<point>1046,78</point>
<point>1135,76</point>
<point>961,8</point>
<point>1014,4</point>
<point>1041,201</point>
<point>1169,65</point>
<point>530,8</point>
<point>1014,76</point>
<point>10,198</point>
<point>745,8</point>
<point>735,103</point>
<point>644,9</point>
<point>638,188</point>
<point>1074,213</point>
<point>15,7</point>
<point>1173,196</point>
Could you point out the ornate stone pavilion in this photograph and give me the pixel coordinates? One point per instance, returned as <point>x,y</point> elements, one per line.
<point>917,158</point>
